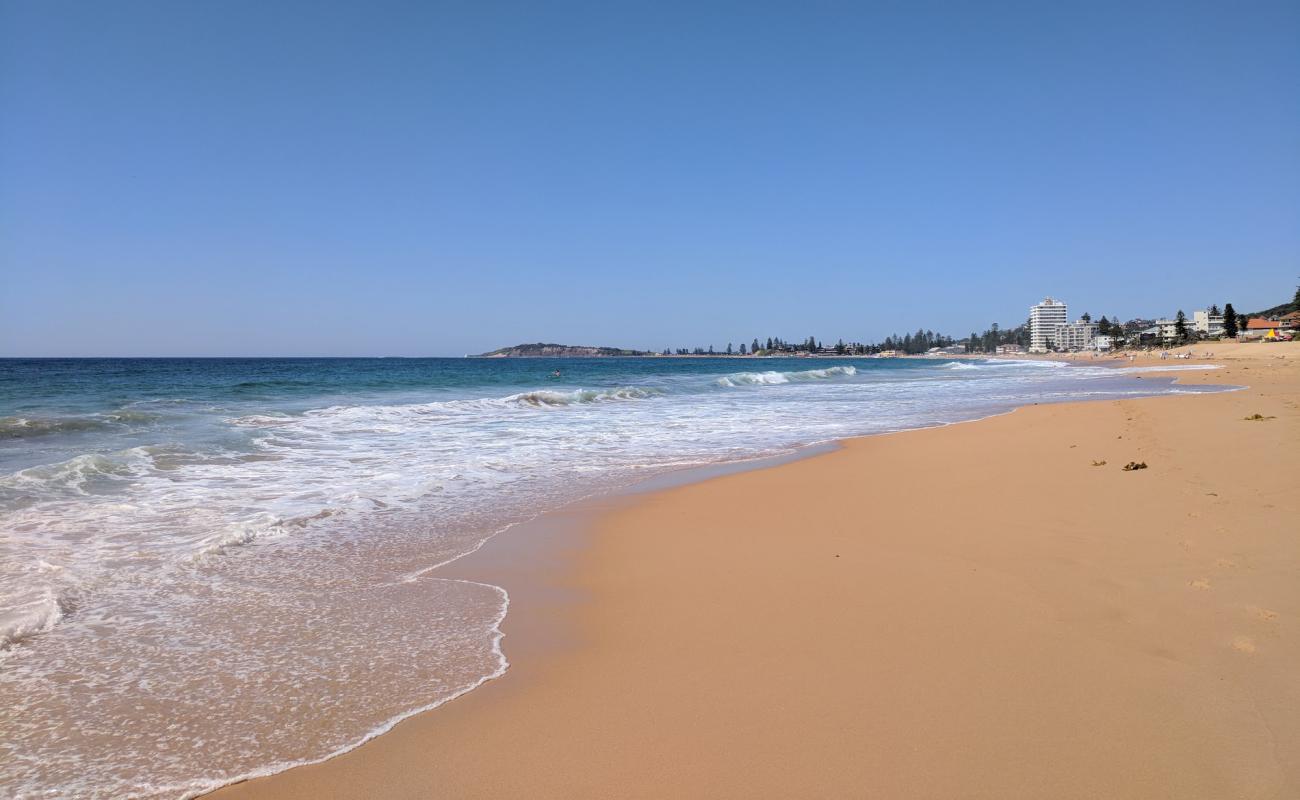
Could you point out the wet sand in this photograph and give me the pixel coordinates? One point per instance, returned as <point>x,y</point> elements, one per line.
<point>971,611</point>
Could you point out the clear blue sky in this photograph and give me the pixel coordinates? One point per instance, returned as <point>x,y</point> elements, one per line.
<point>424,178</point>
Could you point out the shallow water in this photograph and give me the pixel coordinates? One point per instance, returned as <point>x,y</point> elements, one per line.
<point>216,568</point>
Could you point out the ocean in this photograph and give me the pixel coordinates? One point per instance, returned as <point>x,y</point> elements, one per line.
<point>217,568</point>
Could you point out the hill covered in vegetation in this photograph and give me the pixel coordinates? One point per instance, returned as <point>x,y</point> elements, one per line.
<point>543,350</point>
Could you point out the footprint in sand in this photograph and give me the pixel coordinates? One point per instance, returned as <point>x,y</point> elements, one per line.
<point>1224,562</point>
<point>1243,644</point>
<point>1262,613</point>
<point>1199,583</point>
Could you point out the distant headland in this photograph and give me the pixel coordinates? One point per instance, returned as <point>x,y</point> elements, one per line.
<point>541,350</point>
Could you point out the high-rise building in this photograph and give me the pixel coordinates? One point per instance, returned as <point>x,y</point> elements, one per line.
<point>1043,319</point>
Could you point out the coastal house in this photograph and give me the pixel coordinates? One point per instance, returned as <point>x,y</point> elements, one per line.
<point>1148,335</point>
<point>1266,329</point>
<point>1009,349</point>
<point>1102,343</point>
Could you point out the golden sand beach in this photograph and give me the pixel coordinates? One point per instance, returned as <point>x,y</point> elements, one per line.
<point>989,610</point>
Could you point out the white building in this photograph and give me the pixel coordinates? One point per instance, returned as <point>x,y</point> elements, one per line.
<point>1207,324</point>
<point>1103,343</point>
<point>1074,335</point>
<point>1043,319</point>
<point>1167,329</point>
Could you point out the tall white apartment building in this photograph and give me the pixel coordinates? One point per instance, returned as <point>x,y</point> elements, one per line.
<point>1043,319</point>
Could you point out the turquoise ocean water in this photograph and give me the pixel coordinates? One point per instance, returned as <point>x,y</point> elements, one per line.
<point>216,568</point>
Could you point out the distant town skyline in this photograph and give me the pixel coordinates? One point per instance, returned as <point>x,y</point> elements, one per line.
<point>434,179</point>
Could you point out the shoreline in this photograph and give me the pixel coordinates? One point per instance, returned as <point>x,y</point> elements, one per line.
<point>549,593</point>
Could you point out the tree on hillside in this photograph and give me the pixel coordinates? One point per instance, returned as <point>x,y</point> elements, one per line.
<point>1180,326</point>
<point>1086,317</point>
<point>1214,311</point>
<point>1229,322</point>
<point>1103,326</point>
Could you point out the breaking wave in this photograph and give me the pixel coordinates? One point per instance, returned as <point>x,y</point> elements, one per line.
<point>30,427</point>
<point>24,427</point>
<point>773,377</point>
<point>28,618</point>
<point>80,475</point>
<point>549,398</point>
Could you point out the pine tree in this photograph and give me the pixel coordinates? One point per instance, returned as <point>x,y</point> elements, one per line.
<point>1180,326</point>
<point>753,348</point>
<point>1229,322</point>
<point>742,348</point>
<point>729,351</point>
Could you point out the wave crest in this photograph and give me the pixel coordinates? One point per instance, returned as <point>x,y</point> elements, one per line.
<point>24,427</point>
<point>79,475</point>
<point>31,618</point>
<point>773,377</point>
<point>29,427</point>
<point>544,397</point>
